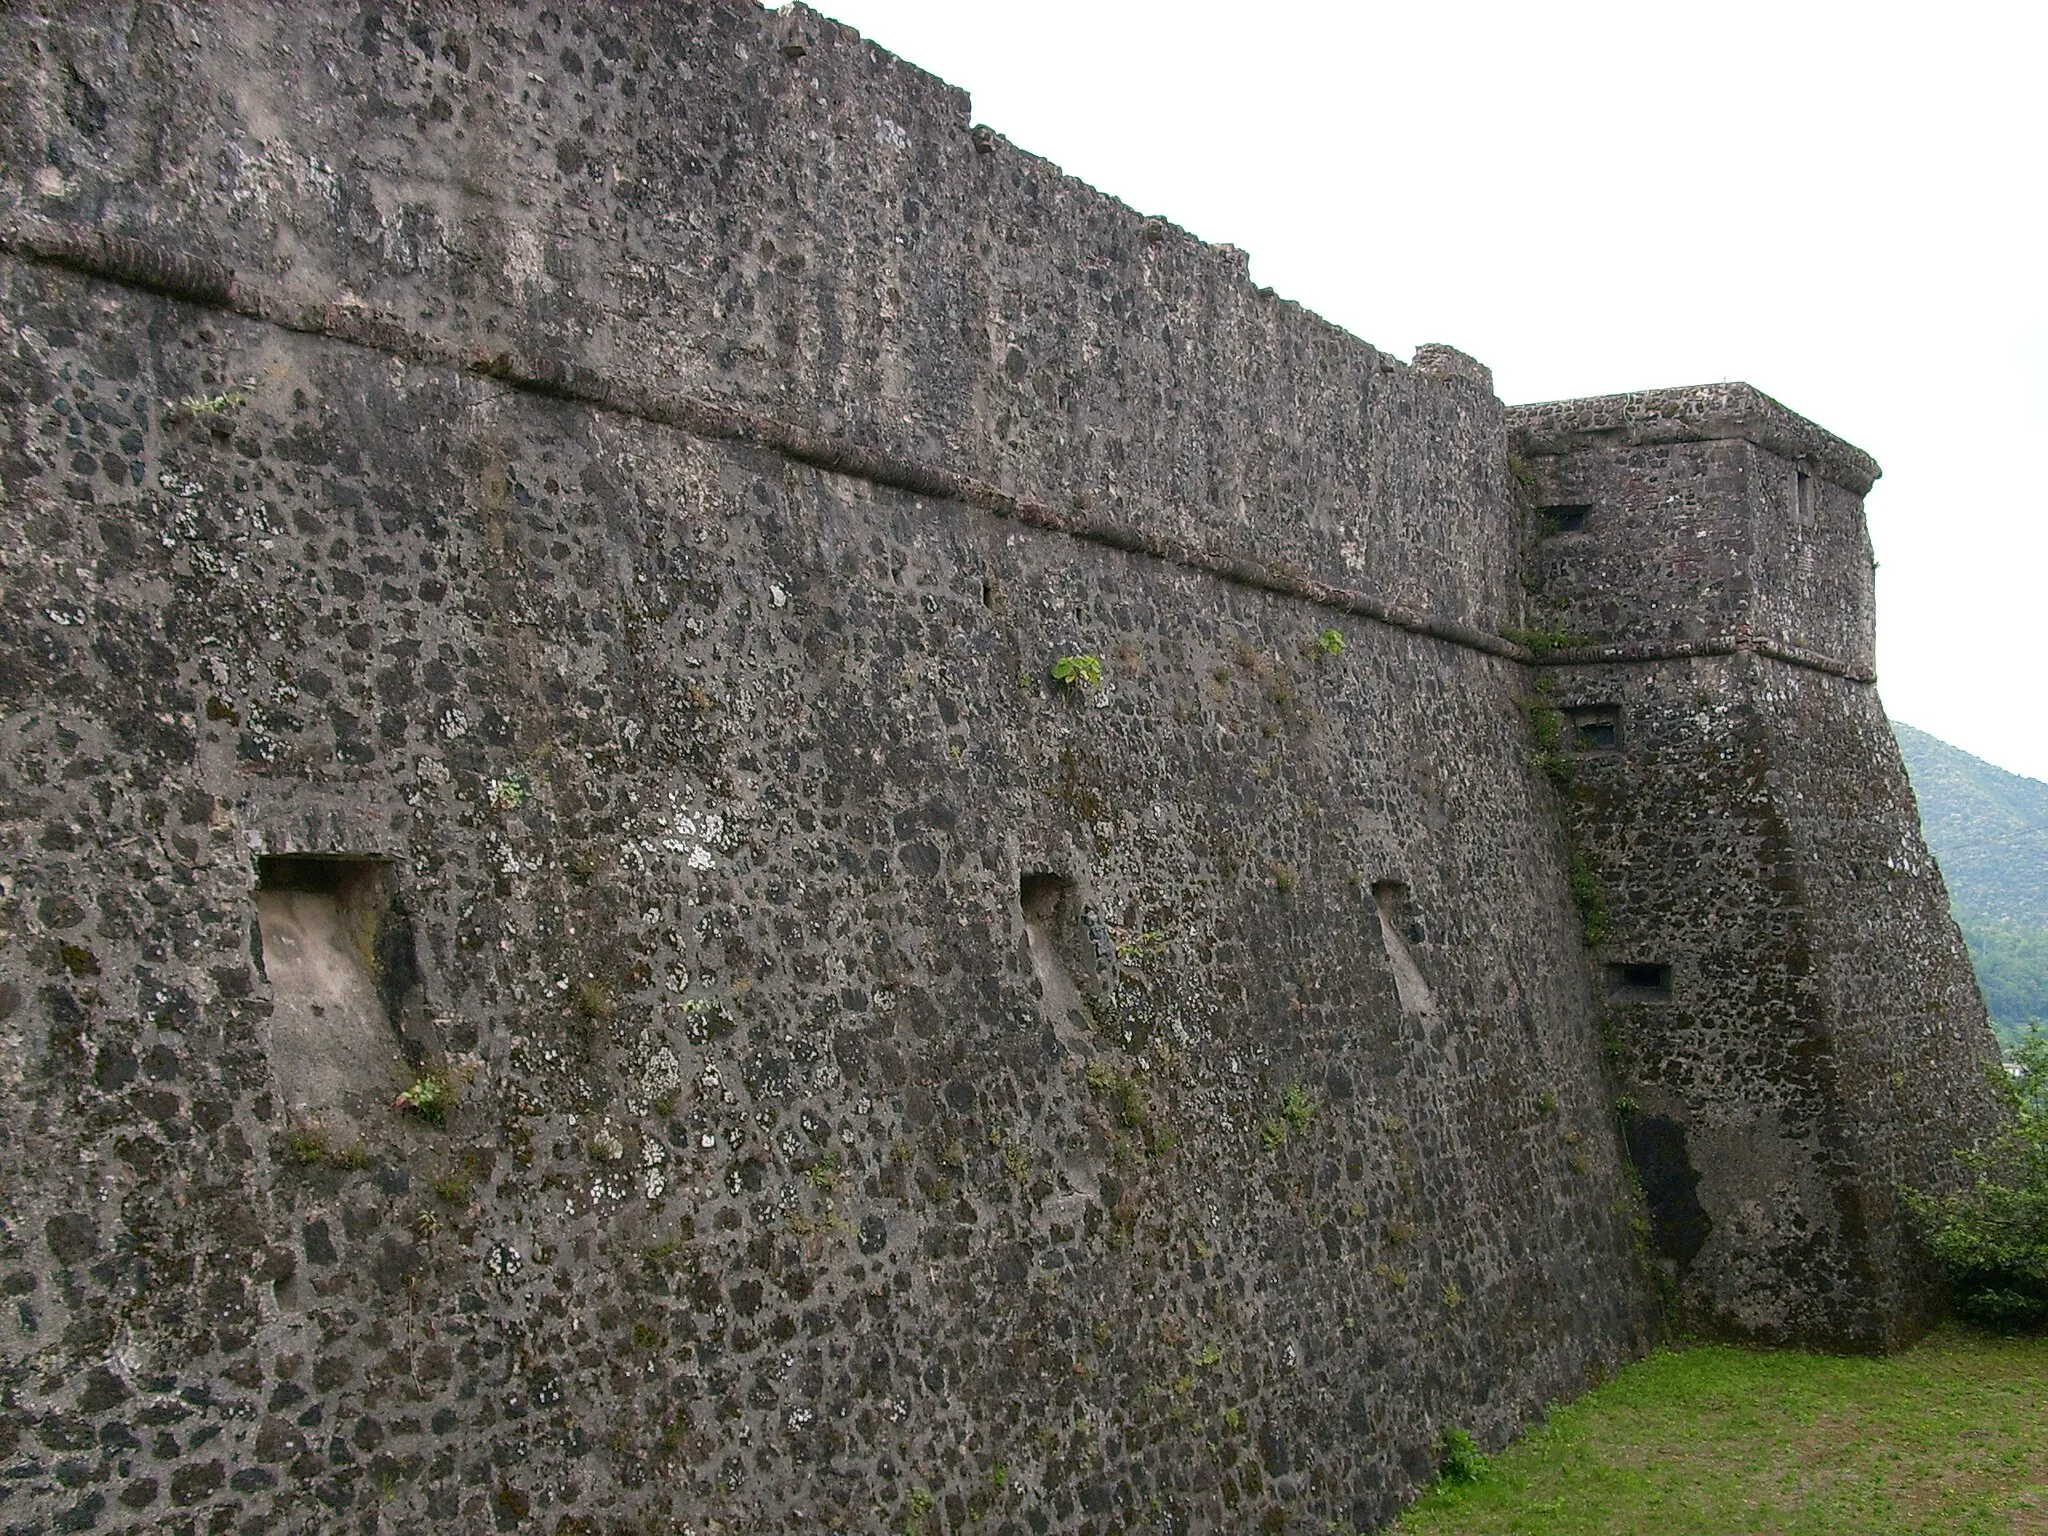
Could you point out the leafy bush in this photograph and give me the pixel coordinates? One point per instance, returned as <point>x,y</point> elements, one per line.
<point>1992,1238</point>
<point>1458,1459</point>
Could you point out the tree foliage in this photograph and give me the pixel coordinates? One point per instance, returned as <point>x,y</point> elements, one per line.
<point>2011,962</point>
<point>1989,829</point>
<point>1991,1238</point>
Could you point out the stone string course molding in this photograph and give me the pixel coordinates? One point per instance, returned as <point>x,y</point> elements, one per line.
<point>1649,651</point>
<point>117,258</point>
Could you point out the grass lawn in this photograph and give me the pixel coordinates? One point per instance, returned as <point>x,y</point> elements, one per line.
<point>1950,1438</point>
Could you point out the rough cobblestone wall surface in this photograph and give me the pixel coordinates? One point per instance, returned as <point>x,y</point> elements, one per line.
<point>535,548</point>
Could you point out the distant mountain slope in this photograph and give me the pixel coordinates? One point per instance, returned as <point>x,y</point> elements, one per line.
<point>1989,830</point>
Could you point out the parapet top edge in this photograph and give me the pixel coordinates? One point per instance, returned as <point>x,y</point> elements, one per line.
<point>803,24</point>
<point>1690,414</point>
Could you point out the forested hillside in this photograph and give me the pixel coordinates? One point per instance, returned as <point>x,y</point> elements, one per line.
<point>1989,829</point>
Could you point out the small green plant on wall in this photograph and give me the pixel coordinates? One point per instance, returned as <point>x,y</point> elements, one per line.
<point>1078,671</point>
<point>509,793</point>
<point>1298,1105</point>
<point>1552,638</point>
<point>1546,725</point>
<point>1297,1108</point>
<point>1588,898</point>
<point>429,1099</point>
<point>1330,642</point>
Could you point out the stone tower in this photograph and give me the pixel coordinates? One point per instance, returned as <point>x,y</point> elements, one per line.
<point>1786,998</point>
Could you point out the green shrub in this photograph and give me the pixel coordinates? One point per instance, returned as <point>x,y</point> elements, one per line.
<point>1458,1459</point>
<point>508,793</point>
<point>1991,1238</point>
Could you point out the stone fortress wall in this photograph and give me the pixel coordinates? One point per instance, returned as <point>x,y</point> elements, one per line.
<point>534,546</point>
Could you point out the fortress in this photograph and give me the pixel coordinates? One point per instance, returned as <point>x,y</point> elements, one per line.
<point>724,811</point>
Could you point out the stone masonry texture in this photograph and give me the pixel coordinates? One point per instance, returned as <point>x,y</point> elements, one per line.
<point>725,811</point>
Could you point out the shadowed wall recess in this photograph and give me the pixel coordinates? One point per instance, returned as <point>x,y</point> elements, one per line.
<point>1059,954</point>
<point>340,963</point>
<point>1399,928</point>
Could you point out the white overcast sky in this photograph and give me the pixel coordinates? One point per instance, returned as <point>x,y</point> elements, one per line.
<point>1841,204</point>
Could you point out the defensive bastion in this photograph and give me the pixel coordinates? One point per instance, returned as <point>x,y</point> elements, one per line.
<point>535,543</point>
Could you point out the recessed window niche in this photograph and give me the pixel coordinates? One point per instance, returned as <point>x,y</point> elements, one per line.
<point>1594,727</point>
<point>339,955</point>
<point>1639,982</point>
<point>1060,953</point>
<point>1400,931</point>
